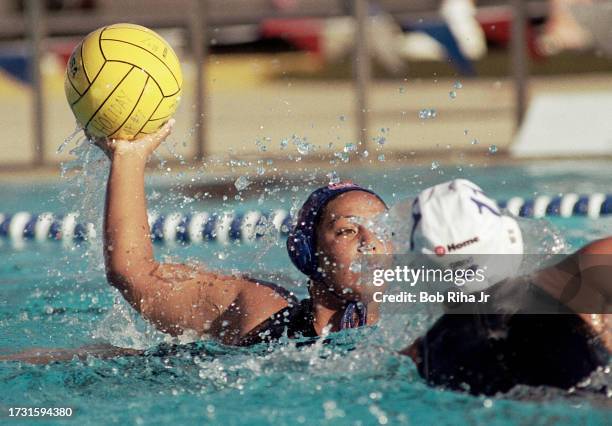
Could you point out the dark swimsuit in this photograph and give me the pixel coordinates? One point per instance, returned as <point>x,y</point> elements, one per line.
<point>491,353</point>
<point>481,353</point>
<point>294,321</point>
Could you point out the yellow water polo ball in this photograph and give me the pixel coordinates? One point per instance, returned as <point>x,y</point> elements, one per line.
<point>123,81</point>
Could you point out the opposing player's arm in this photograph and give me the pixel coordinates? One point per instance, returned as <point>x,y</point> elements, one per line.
<point>582,279</point>
<point>595,264</point>
<point>582,282</point>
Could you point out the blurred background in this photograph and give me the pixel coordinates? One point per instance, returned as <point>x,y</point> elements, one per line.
<point>321,79</point>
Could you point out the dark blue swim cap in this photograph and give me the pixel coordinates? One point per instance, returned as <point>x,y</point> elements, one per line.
<point>301,242</point>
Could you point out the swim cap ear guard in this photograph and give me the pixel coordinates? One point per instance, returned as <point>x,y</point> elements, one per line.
<point>301,242</point>
<point>300,247</point>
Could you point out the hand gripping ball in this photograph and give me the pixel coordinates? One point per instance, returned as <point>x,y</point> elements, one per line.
<point>123,81</point>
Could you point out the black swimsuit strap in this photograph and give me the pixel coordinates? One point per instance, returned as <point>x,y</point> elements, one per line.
<point>295,320</point>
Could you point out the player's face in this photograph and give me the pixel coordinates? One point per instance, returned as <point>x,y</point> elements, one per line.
<point>343,236</point>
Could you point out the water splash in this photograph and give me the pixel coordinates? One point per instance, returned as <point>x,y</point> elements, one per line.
<point>542,237</point>
<point>85,179</point>
<point>124,328</point>
<point>69,139</point>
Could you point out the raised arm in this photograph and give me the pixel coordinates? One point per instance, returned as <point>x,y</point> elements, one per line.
<point>175,297</point>
<point>128,251</point>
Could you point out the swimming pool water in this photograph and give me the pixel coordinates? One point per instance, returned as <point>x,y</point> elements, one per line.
<point>57,297</point>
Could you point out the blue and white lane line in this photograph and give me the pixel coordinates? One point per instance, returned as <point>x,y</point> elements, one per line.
<point>246,227</point>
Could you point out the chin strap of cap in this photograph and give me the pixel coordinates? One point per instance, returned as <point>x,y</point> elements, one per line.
<point>348,318</point>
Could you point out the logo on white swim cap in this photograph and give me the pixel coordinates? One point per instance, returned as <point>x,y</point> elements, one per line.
<point>440,250</point>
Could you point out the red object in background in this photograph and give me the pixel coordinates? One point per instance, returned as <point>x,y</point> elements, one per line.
<point>498,30</point>
<point>63,50</point>
<point>304,34</point>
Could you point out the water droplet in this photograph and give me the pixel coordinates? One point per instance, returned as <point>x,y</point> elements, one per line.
<point>333,177</point>
<point>365,154</point>
<point>355,267</point>
<point>427,113</point>
<point>434,165</point>
<point>452,94</point>
<point>402,89</point>
<point>487,403</point>
<point>381,157</point>
<point>380,140</point>
<point>242,183</point>
<point>284,143</point>
<point>458,85</point>
<point>350,147</point>
<point>474,142</point>
<point>342,156</point>
<point>342,118</point>
<point>261,146</point>
<point>302,146</point>
<point>493,149</point>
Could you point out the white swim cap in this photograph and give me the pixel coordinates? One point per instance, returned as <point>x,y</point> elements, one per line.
<point>456,217</point>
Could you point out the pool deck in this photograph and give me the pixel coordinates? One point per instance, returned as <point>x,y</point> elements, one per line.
<point>250,114</point>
